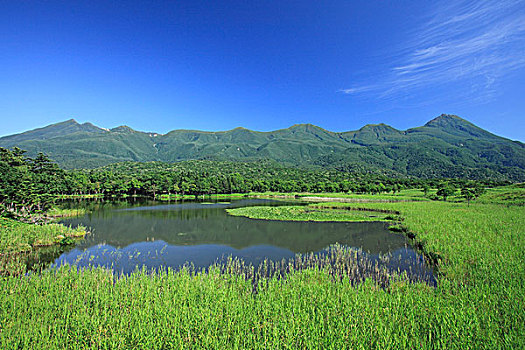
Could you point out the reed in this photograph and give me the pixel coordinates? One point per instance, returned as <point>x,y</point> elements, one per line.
<point>339,262</point>
<point>477,302</point>
<point>17,237</point>
<point>66,212</point>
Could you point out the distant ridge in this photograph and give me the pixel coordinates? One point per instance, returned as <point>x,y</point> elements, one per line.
<point>446,146</point>
<point>54,130</point>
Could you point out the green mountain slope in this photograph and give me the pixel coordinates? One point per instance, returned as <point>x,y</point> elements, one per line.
<point>446,146</point>
<point>67,127</point>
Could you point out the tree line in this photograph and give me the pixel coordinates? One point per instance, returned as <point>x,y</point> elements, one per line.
<point>29,184</point>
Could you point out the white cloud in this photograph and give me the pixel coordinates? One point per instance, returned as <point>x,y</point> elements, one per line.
<point>475,43</point>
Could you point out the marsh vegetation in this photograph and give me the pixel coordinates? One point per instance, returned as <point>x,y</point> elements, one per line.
<point>336,298</point>
<point>310,213</point>
<point>477,302</point>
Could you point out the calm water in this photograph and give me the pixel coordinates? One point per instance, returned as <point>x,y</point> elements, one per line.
<point>156,234</point>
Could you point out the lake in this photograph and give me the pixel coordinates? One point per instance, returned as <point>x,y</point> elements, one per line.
<point>130,234</point>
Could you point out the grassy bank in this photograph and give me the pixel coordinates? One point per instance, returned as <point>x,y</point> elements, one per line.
<point>403,195</point>
<point>477,304</point>
<point>509,195</point>
<point>174,197</point>
<point>309,213</point>
<point>62,212</point>
<point>17,237</point>
<point>80,196</point>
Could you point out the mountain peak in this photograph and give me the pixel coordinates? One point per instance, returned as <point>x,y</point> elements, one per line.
<point>123,129</point>
<point>381,127</point>
<point>455,126</point>
<point>66,122</point>
<point>301,125</point>
<point>366,126</point>
<point>447,119</point>
<point>60,129</point>
<point>446,146</point>
<point>307,127</point>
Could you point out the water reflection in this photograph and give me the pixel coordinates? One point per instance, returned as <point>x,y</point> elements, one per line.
<point>155,234</point>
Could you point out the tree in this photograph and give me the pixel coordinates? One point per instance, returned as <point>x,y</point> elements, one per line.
<point>395,188</point>
<point>175,188</point>
<point>472,192</point>
<point>135,185</point>
<point>445,191</point>
<point>42,164</point>
<point>425,189</point>
<point>478,190</point>
<point>468,194</point>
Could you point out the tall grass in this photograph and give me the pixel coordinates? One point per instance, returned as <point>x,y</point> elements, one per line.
<point>63,212</point>
<point>18,240</point>
<point>17,236</point>
<point>478,302</point>
<point>509,195</point>
<point>337,261</point>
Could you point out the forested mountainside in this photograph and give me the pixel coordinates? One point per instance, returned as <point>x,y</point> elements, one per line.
<point>447,146</point>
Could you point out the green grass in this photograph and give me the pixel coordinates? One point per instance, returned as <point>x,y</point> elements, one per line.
<point>20,243</point>
<point>16,237</point>
<point>307,213</point>
<point>62,212</point>
<point>91,309</point>
<point>510,195</point>
<point>171,197</point>
<point>477,304</point>
<point>404,195</point>
<point>86,196</point>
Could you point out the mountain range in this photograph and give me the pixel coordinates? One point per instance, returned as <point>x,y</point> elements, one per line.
<point>447,146</point>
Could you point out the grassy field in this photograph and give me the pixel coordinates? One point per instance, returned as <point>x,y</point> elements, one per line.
<point>479,301</point>
<point>513,195</point>
<point>173,197</point>
<point>19,240</point>
<point>309,213</point>
<point>62,212</point>
<point>17,237</point>
<point>403,195</point>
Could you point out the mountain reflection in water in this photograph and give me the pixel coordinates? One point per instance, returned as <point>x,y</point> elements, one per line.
<point>155,234</point>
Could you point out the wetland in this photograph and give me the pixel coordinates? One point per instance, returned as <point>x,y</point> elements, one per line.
<point>129,235</point>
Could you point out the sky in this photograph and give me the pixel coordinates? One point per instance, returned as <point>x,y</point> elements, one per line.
<point>264,65</point>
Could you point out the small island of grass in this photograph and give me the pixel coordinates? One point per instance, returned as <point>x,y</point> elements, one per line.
<point>308,213</point>
<point>62,213</point>
<point>17,237</point>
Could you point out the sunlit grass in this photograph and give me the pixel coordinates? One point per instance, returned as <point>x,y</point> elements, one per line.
<point>21,237</point>
<point>478,302</point>
<point>62,212</point>
<point>307,213</point>
<point>510,195</point>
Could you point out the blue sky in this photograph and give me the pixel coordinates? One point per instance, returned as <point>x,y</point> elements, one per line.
<point>265,65</point>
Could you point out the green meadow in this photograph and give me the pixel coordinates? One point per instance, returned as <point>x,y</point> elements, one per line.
<point>16,236</point>
<point>309,213</point>
<point>478,302</point>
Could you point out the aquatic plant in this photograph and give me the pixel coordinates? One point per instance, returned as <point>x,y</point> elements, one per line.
<point>18,237</point>
<point>308,213</point>
<point>339,262</point>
